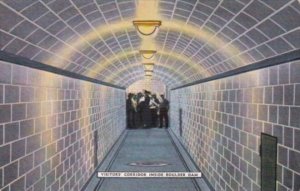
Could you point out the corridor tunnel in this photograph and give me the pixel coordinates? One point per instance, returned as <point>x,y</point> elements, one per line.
<point>230,69</point>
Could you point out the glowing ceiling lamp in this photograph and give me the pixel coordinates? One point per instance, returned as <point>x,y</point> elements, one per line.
<point>147,27</point>
<point>148,72</point>
<point>149,66</point>
<point>148,54</point>
<point>148,77</point>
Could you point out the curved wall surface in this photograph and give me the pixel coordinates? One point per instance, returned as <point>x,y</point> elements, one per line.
<point>47,125</point>
<point>222,122</point>
<point>155,86</point>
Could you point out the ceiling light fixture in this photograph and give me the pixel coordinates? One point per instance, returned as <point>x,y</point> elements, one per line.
<point>149,66</point>
<point>148,73</point>
<point>148,54</point>
<point>148,77</point>
<point>147,27</point>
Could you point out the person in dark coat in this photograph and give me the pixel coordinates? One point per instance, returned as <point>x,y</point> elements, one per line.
<point>140,109</point>
<point>146,110</point>
<point>163,112</point>
<point>134,102</point>
<point>130,112</point>
<point>154,104</point>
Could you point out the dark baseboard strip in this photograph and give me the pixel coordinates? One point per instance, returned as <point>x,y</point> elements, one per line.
<point>202,183</point>
<point>105,164</point>
<point>19,60</point>
<point>276,60</point>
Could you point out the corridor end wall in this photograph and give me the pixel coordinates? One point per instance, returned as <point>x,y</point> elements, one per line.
<point>47,125</point>
<point>222,121</point>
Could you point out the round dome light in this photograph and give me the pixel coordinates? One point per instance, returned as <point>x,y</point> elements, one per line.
<point>148,54</point>
<point>148,66</point>
<point>147,27</point>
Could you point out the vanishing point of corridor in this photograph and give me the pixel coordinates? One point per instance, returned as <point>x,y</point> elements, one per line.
<point>85,86</point>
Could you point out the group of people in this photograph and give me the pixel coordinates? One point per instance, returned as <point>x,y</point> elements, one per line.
<point>145,110</point>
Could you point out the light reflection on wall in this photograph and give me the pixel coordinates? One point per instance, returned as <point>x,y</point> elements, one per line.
<point>123,55</point>
<point>57,104</point>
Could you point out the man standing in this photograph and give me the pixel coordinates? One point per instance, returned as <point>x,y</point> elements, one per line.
<point>163,112</point>
<point>130,112</point>
<point>154,104</point>
<point>146,111</point>
<point>140,109</point>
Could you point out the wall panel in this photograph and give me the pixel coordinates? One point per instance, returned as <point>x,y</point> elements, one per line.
<point>47,123</point>
<point>222,121</point>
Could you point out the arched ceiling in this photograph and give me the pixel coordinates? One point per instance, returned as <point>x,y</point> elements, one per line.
<point>154,86</point>
<point>197,39</point>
